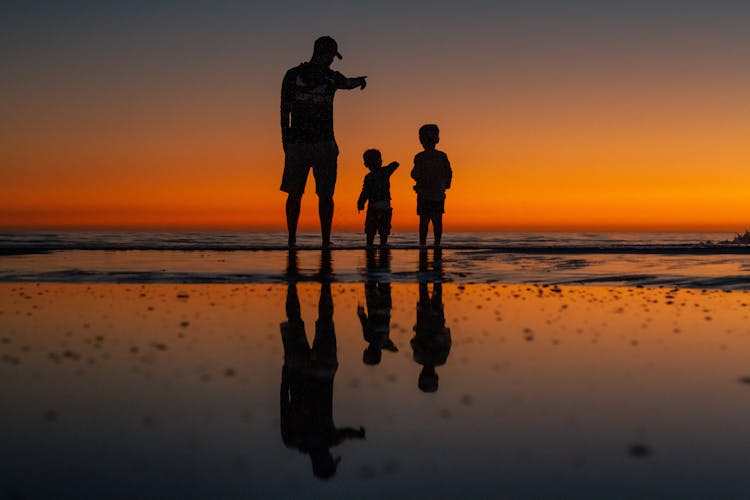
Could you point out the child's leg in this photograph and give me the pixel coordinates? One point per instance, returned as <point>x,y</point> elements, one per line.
<point>383,239</point>
<point>424,221</point>
<point>437,228</point>
<point>370,227</point>
<point>385,227</point>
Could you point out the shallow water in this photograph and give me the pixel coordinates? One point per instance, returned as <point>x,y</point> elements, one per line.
<point>397,265</point>
<point>695,260</point>
<point>173,390</point>
<point>27,242</point>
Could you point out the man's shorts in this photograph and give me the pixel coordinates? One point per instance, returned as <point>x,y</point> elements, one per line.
<point>378,220</point>
<point>321,157</point>
<point>430,207</point>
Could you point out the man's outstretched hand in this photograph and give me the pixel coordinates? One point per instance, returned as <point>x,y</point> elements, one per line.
<point>353,83</point>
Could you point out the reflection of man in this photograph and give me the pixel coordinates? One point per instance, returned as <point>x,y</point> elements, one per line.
<point>307,385</point>
<point>307,133</point>
<point>432,340</point>
<point>292,266</point>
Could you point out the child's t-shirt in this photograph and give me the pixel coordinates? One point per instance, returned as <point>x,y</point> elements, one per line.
<point>433,174</point>
<point>377,188</point>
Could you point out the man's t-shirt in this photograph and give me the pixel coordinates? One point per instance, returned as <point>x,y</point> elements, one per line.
<point>308,89</point>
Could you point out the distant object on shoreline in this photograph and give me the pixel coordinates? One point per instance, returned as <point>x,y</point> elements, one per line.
<point>739,239</point>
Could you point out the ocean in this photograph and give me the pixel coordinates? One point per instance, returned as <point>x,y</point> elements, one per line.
<point>225,241</point>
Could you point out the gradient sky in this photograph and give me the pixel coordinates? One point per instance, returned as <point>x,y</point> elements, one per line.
<point>555,115</point>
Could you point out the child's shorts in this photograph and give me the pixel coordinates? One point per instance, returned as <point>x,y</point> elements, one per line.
<point>430,207</point>
<point>378,220</point>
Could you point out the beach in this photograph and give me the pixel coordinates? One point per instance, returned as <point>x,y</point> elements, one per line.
<point>686,260</point>
<point>516,266</point>
<point>501,389</point>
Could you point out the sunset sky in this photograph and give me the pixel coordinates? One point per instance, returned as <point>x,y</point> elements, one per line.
<point>576,115</point>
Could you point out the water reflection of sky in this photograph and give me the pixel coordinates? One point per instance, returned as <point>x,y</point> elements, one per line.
<point>461,266</point>
<point>174,390</point>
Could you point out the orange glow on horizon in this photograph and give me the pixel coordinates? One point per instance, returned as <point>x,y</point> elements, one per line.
<point>574,155</point>
<point>555,188</point>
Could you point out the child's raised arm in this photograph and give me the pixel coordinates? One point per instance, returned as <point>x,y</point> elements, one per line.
<point>391,167</point>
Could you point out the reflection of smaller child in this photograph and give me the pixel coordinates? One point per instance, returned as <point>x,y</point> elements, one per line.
<point>376,190</point>
<point>433,174</point>
<point>376,328</point>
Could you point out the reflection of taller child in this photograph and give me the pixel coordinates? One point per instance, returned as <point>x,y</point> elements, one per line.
<point>432,340</point>
<point>433,174</point>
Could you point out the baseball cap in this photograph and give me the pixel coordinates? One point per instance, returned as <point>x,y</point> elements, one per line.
<point>327,44</point>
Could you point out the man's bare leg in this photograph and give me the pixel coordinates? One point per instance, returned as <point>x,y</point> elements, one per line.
<point>325,211</point>
<point>293,205</point>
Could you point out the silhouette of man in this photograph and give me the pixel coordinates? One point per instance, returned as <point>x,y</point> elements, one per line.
<point>306,402</point>
<point>307,133</point>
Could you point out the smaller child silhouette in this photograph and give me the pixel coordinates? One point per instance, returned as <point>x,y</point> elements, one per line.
<point>433,174</point>
<point>376,190</point>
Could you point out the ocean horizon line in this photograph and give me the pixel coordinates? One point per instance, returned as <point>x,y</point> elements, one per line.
<point>688,243</point>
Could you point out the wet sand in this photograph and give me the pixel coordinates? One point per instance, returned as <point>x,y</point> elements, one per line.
<point>174,390</point>
<point>716,271</point>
